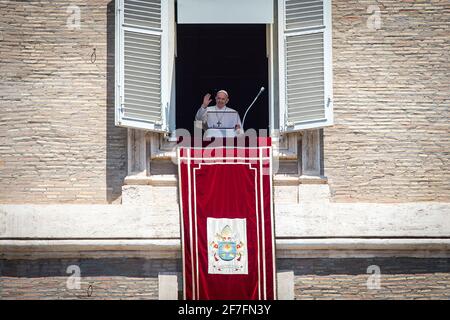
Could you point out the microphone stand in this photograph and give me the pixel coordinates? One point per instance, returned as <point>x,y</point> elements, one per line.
<point>259,93</point>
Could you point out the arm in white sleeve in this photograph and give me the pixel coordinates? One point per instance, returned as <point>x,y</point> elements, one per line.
<point>201,114</point>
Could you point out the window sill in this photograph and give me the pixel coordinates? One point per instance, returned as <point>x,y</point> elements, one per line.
<point>163,180</point>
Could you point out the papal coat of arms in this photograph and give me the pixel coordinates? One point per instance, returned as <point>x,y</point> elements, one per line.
<point>227,247</point>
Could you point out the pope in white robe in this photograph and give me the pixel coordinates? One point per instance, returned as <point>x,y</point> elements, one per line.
<point>219,119</point>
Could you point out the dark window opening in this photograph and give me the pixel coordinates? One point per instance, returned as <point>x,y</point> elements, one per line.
<point>230,57</point>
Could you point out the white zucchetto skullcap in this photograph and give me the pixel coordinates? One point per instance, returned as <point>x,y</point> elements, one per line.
<point>223,91</point>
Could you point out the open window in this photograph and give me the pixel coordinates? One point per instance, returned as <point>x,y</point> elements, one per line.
<point>298,80</point>
<point>211,57</point>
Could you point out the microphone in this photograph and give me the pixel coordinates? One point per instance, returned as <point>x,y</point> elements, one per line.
<point>259,93</point>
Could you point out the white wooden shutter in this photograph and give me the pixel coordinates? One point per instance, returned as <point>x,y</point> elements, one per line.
<point>305,64</point>
<point>142,58</point>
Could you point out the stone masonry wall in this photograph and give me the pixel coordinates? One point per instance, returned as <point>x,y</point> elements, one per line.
<point>391,138</point>
<point>137,278</point>
<point>58,141</point>
<point>111,278</point>
<point>355,278</point>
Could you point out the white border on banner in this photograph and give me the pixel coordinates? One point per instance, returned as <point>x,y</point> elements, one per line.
<point>261,158</point>
<point>257,221</point>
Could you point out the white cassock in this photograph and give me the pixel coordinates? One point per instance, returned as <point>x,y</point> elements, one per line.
<point>223,121</point>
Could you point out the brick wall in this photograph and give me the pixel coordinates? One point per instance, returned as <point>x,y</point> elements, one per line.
<point>137,278</point>
<point>391,136</point>
<point>58,142</point>
<point>400,278</point>
<point>112,278</point>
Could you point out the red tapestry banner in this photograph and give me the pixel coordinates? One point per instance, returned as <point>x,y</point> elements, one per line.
<point>227,222</point>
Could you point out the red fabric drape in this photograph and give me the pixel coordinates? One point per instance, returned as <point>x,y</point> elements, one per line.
<point>227,186</point>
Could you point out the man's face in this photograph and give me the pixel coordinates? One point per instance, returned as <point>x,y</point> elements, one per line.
<point>221,99</point>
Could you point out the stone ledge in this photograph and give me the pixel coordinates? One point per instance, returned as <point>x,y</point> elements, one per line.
<point>364,244</point>
<point>154,180</point>
<point>362,248</point>
<point>90,248</point>
<point>280,179</point>
<point>164,155</point>
<point>161,220</point>
<point>136,180</point>
<point>171,248</point>
<point>172,180</point>
<point>285,180</point>
<point>89,244</point>
<point>285,155</point>
<point>312,180</point>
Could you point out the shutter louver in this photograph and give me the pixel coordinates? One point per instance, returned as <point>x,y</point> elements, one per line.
<point>306,81</point>
<point>303,14</point>
<point>305,77</point>
<point>143,13</point>
<point>140,77</point>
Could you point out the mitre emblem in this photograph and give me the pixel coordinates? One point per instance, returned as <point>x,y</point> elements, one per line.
<point>226,246</point>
